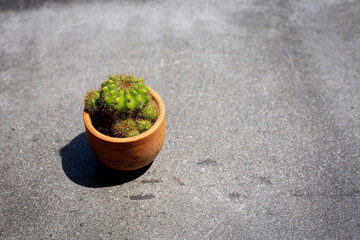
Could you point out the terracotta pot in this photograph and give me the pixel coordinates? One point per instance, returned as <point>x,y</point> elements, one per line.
<point>128,153</point>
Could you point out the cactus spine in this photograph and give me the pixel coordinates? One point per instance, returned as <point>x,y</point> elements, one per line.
<point>127,103</point>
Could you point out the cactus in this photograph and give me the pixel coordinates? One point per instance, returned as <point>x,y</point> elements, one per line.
<point>125,128</point>
<point>150,112</point>
<point>124,94</point>
<point>125,103</point>
<point>92,101</point>
<point>144,125</point>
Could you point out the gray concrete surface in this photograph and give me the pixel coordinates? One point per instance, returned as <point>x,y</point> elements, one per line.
<point>262,101</point>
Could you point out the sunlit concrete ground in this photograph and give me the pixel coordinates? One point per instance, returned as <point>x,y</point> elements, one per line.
<point>263,119</point>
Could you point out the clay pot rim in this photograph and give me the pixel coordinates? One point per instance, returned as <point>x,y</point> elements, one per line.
<point>144,135</point>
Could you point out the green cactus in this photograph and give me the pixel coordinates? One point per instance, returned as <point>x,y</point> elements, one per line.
<point>125,103</point>
<point>92,101</point>
<point>124,94</point>
<point>143,125</point>
<point>150,112</point>
<point>125,128</point>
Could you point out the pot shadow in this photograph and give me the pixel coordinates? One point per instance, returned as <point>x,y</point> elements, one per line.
<point>82,167</point>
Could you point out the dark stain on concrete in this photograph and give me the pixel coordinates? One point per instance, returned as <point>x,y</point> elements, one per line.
<point>151,181</point>
<point>298,194</point>
<point>20,5</point>
<point>207,162</point>
<point>142,197</point>
<point>353,193</point>
<point>234,195</point>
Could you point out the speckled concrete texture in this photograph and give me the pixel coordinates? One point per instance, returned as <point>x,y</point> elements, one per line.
<point>263,119</point>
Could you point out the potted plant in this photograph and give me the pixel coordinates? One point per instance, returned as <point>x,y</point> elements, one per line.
<point>125,122</point>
